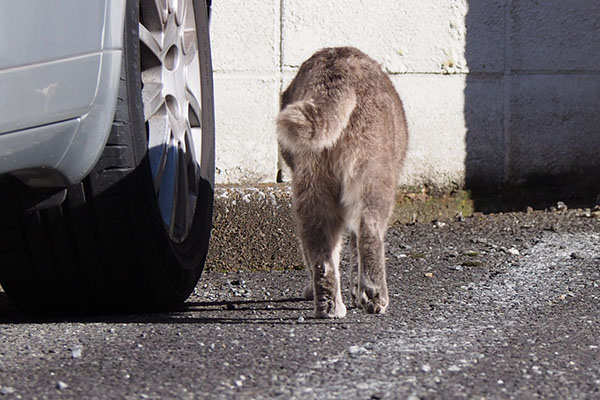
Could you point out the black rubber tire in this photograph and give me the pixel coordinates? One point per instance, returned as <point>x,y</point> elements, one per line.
<point>106,248</point>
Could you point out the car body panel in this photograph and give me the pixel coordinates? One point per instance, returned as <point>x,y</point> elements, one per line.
<point>36,31</point>
<point>59,61</point>
<point>46,144</point>
<point>40,94</point>
<point>94,128</point>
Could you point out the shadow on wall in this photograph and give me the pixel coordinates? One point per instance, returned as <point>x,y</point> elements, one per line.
<point>532,103</point>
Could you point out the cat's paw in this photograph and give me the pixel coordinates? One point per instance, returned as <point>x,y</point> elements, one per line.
<point>330,309</point>
<point>371,300</point>
<point>308,293</point>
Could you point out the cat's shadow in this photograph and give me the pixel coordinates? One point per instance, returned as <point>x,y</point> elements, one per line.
<point>247,311</point>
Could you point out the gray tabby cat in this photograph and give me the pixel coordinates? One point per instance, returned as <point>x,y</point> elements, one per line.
<point>342,131</point>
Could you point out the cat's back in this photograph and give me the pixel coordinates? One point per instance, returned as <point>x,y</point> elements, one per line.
<point>329,67</point>
<point>376,124</point>
<point>378,119</point>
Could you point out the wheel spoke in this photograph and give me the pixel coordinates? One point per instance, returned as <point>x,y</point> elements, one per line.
<point>164,10</point>
<point>175,125</point>
<point>193,91</point>
<point>190,45</point>
<point>171,31</point>
<point>196,134</point>
<point>148,39</point>
<point>178,7</point>
<point>158,140</point>
<point>194,110</point>
<point>153,13</point>
<point>190,48</point>
<point>159,164</point>
<point>167,189</point>
<point>152,98</point>
<point>182,194</point>
<point>190,144</point>
<point>192,161</point>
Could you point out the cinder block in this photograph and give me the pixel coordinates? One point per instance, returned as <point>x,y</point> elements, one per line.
<point>245,35</point>
<point>554,128</point>
<point>405,36</point>
<point>246,144</point>
<point>434,106</point>
<point>484,122</point>
<point>555,35</point>
<point>485,37</point>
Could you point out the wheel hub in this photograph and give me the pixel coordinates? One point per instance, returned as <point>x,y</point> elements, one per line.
<point>171,96</point>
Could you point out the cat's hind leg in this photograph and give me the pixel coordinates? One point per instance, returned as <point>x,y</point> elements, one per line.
<point>321,237</point>
<point>371,293</point>
<point>326,286</point>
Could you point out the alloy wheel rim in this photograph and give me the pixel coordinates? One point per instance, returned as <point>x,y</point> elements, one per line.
<point>171,97</point>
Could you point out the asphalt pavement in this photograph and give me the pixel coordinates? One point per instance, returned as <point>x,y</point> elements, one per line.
<point>496,306</point>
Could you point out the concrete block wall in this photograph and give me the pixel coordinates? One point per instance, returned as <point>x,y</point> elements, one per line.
<point>497,92</point>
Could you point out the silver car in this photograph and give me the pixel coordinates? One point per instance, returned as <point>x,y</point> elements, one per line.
<point>106,153</point>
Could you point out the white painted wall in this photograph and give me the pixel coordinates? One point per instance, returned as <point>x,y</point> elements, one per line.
<point>496,91</point>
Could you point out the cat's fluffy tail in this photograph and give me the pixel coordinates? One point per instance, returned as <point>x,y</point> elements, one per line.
<point>314,125</point>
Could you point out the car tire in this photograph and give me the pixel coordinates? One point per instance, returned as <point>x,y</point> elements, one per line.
<point>133,235</point>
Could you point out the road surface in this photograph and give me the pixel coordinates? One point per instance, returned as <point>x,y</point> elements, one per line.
<point>498,306</point>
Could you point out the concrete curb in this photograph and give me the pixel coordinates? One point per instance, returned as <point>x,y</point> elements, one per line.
<point>253,228</point>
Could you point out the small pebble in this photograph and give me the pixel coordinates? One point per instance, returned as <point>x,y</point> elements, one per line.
<point>577,256</point>
<point>300,319</point>
<point>439,224</point>
<point>356,350</point>
<point>513,251</point>
<point>6,390</point>
<point>76,352</point>
<point>60,385</point>
<point>426,368</point>
<point>454,368</point>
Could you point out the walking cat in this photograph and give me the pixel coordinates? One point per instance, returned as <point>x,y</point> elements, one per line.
<point>342,131</point>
